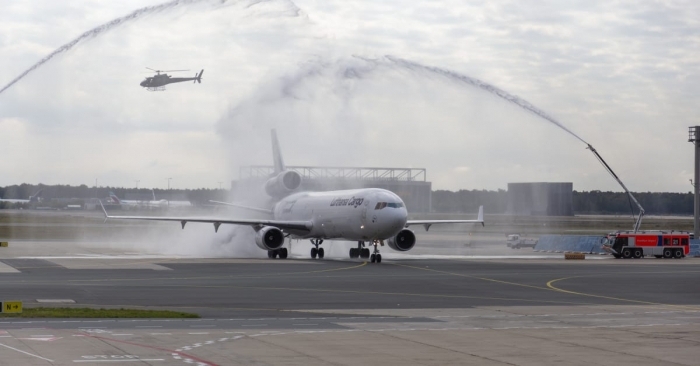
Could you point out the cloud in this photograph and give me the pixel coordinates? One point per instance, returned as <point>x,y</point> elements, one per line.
<point>622,77</point>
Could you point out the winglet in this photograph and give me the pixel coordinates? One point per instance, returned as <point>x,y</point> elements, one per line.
<point>480,217</point>
<point>276,154</point>
<point>104,210</point>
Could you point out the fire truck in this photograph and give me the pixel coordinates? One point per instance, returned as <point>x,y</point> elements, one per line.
<point>637,244</point>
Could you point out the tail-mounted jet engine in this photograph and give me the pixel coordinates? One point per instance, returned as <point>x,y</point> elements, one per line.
<point>283,184</point>
<point>403,241</point>
<point>269,238</point>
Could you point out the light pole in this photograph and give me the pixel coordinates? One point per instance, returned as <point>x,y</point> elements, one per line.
<point>220,185</point>
<point>694,137</point>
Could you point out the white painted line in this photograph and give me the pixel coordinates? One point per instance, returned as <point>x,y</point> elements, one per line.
<point>149,326</point>
<point>253,325</point>
<point>128,360</point>
<point>26,353</point>
<point>122,334</point>
<point>62,301</point>
<point>48,335</point>
<point>161,333</point>
<point>199,333</point>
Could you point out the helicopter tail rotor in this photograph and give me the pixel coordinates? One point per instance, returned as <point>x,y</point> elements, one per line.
<point>198,78</point>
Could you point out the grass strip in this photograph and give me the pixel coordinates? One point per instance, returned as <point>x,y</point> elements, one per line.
<point>40,312</point>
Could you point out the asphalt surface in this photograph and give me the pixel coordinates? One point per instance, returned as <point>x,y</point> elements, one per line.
<point>507,310</point>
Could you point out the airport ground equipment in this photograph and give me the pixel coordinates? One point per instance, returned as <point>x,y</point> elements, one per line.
<point>575,256</point>
<point>515,241</point>
<point>638,223</point>
<point>637,244</point>
<point>4,244</point>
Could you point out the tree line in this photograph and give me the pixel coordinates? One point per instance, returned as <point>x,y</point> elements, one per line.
<point>462,201</point>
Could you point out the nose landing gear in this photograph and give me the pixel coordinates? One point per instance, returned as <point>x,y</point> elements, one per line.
<point>364,253</point>
<point>375,257</point>
<point>316,251</point>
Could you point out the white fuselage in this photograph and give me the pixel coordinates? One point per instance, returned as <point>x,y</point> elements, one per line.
<point>358,215</point>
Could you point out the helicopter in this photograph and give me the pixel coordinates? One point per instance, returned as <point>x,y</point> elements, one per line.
<point>158,81</point>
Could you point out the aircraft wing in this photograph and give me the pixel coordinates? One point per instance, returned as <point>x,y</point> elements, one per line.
<point>232,204</point>
<point>283,225</point>
<point>428,223</point>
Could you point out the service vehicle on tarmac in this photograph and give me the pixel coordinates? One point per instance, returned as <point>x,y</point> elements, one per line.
<point>515,241</point>
<point>637,244</point>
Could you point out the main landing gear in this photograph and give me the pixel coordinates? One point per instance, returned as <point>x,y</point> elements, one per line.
<point>361,252</point>
<point>316,251</point>
<point>282,253</point>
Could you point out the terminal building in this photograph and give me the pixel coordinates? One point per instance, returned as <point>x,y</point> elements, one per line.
<point>541,199</point>
<point>408,183</point>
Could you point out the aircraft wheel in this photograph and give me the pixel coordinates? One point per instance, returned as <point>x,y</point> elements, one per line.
<point>354,253</point>
<point>283,253</point>
<point>269,254</point>
<point>320,253</point>
<point>313,253</point>
<point>379,258</point>
<point>365,253</point>
<point>372,258</point>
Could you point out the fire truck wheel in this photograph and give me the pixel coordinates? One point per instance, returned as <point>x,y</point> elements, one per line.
<point>678,254</point>
<point>638,253</point>
<point>626,253</point>
<point>667,253</point>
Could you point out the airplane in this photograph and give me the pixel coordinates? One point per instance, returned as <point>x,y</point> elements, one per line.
<point>159,81</point>
<point>369,215</point>
<point>155,203</point>
<point>36,197</point>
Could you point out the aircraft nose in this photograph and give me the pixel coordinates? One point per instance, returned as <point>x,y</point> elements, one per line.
<point>397,219</point>
<point>143,83</point>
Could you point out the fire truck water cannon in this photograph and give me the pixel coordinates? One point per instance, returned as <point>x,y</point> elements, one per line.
<point>607,167</point>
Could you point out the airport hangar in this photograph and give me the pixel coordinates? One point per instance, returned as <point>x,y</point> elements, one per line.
<point>411,184</point>
<point>408,183</point>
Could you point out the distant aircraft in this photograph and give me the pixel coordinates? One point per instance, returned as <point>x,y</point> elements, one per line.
<point>362,215</point>
<point>36,197</point>
<point>155,203</point>
<point>158,81</point>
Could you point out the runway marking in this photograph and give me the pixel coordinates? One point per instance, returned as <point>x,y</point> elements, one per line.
<point>26,353</point>
<point>174,353</point>
<point>470,276</point>
<point>127,360</point>
<point>551,286</point>
<point>193,278</point>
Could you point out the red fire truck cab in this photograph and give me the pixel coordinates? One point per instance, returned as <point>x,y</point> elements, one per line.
<point>660,244</point>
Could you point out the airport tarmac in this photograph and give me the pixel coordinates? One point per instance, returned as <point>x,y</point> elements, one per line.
<point>469,308</point>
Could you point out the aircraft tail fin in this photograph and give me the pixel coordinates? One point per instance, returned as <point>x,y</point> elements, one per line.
<point>276,153</point>
<point>114,198</point>
<point>198,78</point>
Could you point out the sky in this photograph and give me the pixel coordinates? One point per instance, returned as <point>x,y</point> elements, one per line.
<point>351,83</point>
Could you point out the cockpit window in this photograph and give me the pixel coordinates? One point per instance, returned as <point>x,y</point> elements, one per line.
<point>381,205</point>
